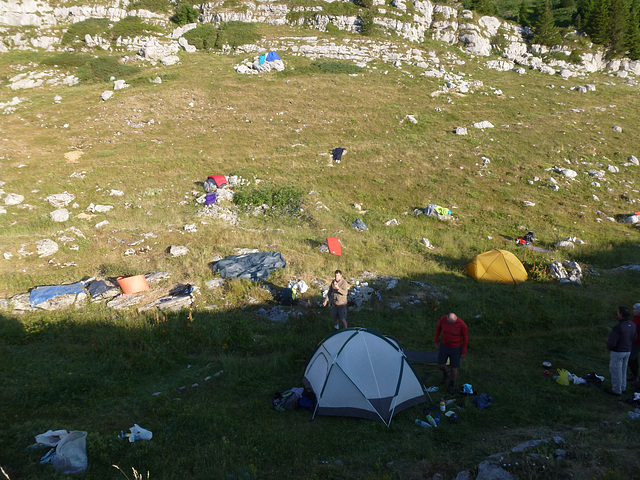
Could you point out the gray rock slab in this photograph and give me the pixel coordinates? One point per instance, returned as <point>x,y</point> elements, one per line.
<point>60,215</point>
<point>275,314</point>
<point>178,250</point>
<point>524,445</point>
<point>60,302</point>
<point>214,283</point>
<point>156,277</point>
<point>122,302</point>
<point>21,302</point>
<point>464,475</point>
<point>13,199</point>
<point>492,471</point>
<point>60,200</point>
<point>170,302</point>
<point>46,247</point>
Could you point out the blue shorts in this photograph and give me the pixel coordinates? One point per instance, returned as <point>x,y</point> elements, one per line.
<point>453,354</point>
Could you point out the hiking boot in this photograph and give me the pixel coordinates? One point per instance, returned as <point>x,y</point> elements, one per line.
<point>451,388</point>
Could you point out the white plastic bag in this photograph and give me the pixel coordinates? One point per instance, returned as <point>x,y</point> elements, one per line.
<point>51,438</point>
<point>139,433</point>
<point>71,453</point>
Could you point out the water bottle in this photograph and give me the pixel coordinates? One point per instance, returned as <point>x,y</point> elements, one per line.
<point>443,406</point>
<point>432,421</point>
<point>422,424</point>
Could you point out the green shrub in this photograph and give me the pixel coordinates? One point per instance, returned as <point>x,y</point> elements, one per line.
<point>575,57</point>
<point>293,17</point>
<point>203,38</point>
<point>92,26</point>
<point>284,200</point>
<point>367,25</point>
<point>131,27</point>
<point>158,6</point>
<point>234,34</point>
<point>499,42</point>
<point>341,8</point>
<point>101,69</point>
<point>332,29</point>
<point>66,60</point>
<point>185,13</point>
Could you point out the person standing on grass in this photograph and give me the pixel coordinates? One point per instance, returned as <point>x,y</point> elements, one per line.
<point>619,343</point>
<point>635,348</point>
<point>455,337</point>
<point>337,295</point>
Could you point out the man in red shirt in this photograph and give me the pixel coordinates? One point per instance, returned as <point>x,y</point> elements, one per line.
<point>453,346</point>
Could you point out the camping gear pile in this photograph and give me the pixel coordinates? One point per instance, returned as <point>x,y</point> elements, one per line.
<point>262,64</point>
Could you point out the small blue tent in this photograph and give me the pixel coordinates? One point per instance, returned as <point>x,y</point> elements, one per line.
<point>272,56</point>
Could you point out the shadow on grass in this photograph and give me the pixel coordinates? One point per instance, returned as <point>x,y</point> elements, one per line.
<point>202,381</point>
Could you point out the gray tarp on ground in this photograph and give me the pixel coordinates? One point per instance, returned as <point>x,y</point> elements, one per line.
<point>251,266</point>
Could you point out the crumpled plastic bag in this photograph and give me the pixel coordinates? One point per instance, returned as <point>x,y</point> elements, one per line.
<point>563,376</point>
<point>71,453</point>
<point>139,433</point>
<point>51,438</point>
<point>576,379</point>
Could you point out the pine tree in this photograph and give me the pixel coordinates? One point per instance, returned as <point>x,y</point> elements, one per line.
<point>632,36</point>
<point>618,14</point>
<point>545,31</point>
<point>598,22</point>
<point>523,14</point>
<point>485,7</point>
<point>583,12</point>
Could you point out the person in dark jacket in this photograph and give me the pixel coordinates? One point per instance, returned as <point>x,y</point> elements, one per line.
<point>635,349</point>
<point>620,341</point>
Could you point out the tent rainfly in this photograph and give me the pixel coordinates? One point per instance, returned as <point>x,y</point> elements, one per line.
<point>357,372</point>
<point>498,266</point>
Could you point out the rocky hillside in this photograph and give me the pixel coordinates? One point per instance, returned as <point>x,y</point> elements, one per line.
<point>32,25</point>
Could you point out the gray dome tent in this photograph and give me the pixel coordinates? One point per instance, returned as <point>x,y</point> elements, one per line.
<point>357,372</point>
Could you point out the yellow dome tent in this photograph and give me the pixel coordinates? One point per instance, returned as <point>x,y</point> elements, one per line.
<point>497,266</point>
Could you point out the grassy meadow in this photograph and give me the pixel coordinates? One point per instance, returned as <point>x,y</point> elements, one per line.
<point>97,370</point>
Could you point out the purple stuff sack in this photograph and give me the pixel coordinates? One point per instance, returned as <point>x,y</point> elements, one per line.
<point>210,199</point>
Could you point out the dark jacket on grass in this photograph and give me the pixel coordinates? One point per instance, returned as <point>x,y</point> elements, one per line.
<point>622,336</point>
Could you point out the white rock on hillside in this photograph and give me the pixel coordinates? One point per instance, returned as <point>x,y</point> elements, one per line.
<point>482,125</point>
<point>13,199</point>
<point>154,50</point>
<point>60,199</point>
<point>46,247</point>
<point>60,215</point>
